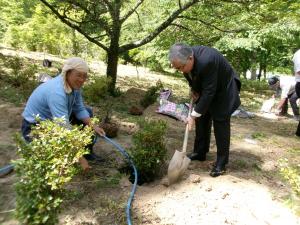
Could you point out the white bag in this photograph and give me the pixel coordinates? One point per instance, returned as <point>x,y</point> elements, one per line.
<point>268,105</point>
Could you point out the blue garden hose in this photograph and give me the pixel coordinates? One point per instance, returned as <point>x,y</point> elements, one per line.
<point>7,169</point>
<point>124,153</point>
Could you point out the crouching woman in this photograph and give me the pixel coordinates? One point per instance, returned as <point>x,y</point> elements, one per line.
<point>61,97</point>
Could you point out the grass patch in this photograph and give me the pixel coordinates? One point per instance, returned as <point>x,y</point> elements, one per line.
<point>240,164</point>
<point>111,209</point>
<point>293,203</point>
<point>258,135</point>
<point>110,181</point>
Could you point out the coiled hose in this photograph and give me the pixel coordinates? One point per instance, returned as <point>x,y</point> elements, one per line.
<point>7,169</point>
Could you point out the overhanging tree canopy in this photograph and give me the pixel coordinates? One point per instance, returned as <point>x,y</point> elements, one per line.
<point>102,23</point>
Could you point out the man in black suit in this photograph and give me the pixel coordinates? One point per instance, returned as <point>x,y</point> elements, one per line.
<point>215,88</point>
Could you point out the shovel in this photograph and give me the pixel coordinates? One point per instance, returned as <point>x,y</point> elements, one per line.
<point>179,162</point>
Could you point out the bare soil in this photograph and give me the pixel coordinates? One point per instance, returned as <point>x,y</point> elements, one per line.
<point>251,192</point>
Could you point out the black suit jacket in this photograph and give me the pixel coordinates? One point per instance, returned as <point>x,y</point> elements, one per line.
<point>215,80</point>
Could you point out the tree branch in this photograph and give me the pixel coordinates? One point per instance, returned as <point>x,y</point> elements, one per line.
<point>130,12</point>
<point>187,29</point>
<point>108,5</point>
<point>64,20</point>
<point>210,25</point>
<point>159,29</point>
<point>240,1</point>
<point>139,20</point>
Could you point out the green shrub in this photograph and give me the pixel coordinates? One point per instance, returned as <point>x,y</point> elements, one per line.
<point>20,75</point>
<point>151,95</point>
<point>254,85</point>
<point>96,89</point>
<point>149,150</point>
<point>46,165</point>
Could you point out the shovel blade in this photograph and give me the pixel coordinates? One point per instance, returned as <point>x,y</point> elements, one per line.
<point>178,165</point>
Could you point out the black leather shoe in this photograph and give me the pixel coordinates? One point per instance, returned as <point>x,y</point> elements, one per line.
<point>196,156</point>
<point>217,171</point>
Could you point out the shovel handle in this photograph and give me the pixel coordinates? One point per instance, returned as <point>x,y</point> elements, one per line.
<point>186,133</point>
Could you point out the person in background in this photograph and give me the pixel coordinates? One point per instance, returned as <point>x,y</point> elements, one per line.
<point>285,85</point>
<point>61,97</point>
<point>296,61</point>
<point>215,90</point>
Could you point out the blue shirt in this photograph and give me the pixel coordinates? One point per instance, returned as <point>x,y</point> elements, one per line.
<point>49,100</point>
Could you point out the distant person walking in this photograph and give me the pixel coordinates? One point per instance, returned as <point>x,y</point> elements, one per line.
<point>296,61</point>
<point>215,88</point>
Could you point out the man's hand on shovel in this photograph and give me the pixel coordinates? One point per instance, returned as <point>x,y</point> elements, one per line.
<point>191,122</point>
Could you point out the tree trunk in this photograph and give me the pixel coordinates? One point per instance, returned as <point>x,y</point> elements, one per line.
<point>75,45</point>
<point>112,67</point>
<point>259,72</point>
<point>253,74</point>
<point>113,57</point>
<point>265,72</point>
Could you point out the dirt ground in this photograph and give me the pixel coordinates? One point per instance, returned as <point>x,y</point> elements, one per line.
<point>251,192</point>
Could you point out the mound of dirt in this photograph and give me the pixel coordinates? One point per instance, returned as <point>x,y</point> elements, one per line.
<point>133,96</point>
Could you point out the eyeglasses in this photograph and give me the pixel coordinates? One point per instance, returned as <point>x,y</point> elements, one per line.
<point>180,68</point>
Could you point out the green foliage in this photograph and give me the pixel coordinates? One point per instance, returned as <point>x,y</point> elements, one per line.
<point>149,150</point>
<point>17,78</point>
<point>96,89</point>
<point>254,85</point>
<point>151,95</point>
<point>46,165</point>
<point>291,174</point>
<point>145,57</point>
<point>35,29</point>
<point>22,75</point>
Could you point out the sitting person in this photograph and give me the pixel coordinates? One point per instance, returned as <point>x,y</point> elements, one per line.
<point>61,97</point>
<point>286,85</point>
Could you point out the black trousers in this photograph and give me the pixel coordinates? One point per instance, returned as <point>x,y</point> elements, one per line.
<point>297,88</point>
<point>222,136</point>
<point>292,98</point>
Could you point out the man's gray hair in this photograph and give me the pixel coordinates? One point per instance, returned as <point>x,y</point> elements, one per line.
<point>181,52</point>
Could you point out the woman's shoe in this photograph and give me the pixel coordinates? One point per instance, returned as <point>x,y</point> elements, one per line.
<point>93,157</point>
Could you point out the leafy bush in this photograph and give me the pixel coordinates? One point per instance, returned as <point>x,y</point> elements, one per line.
<point>96,89</point>
<point>149,150</point>
<point>46,165</point>
<point>21,75</point>
<point>151,95</point>
<point>254,85</point>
